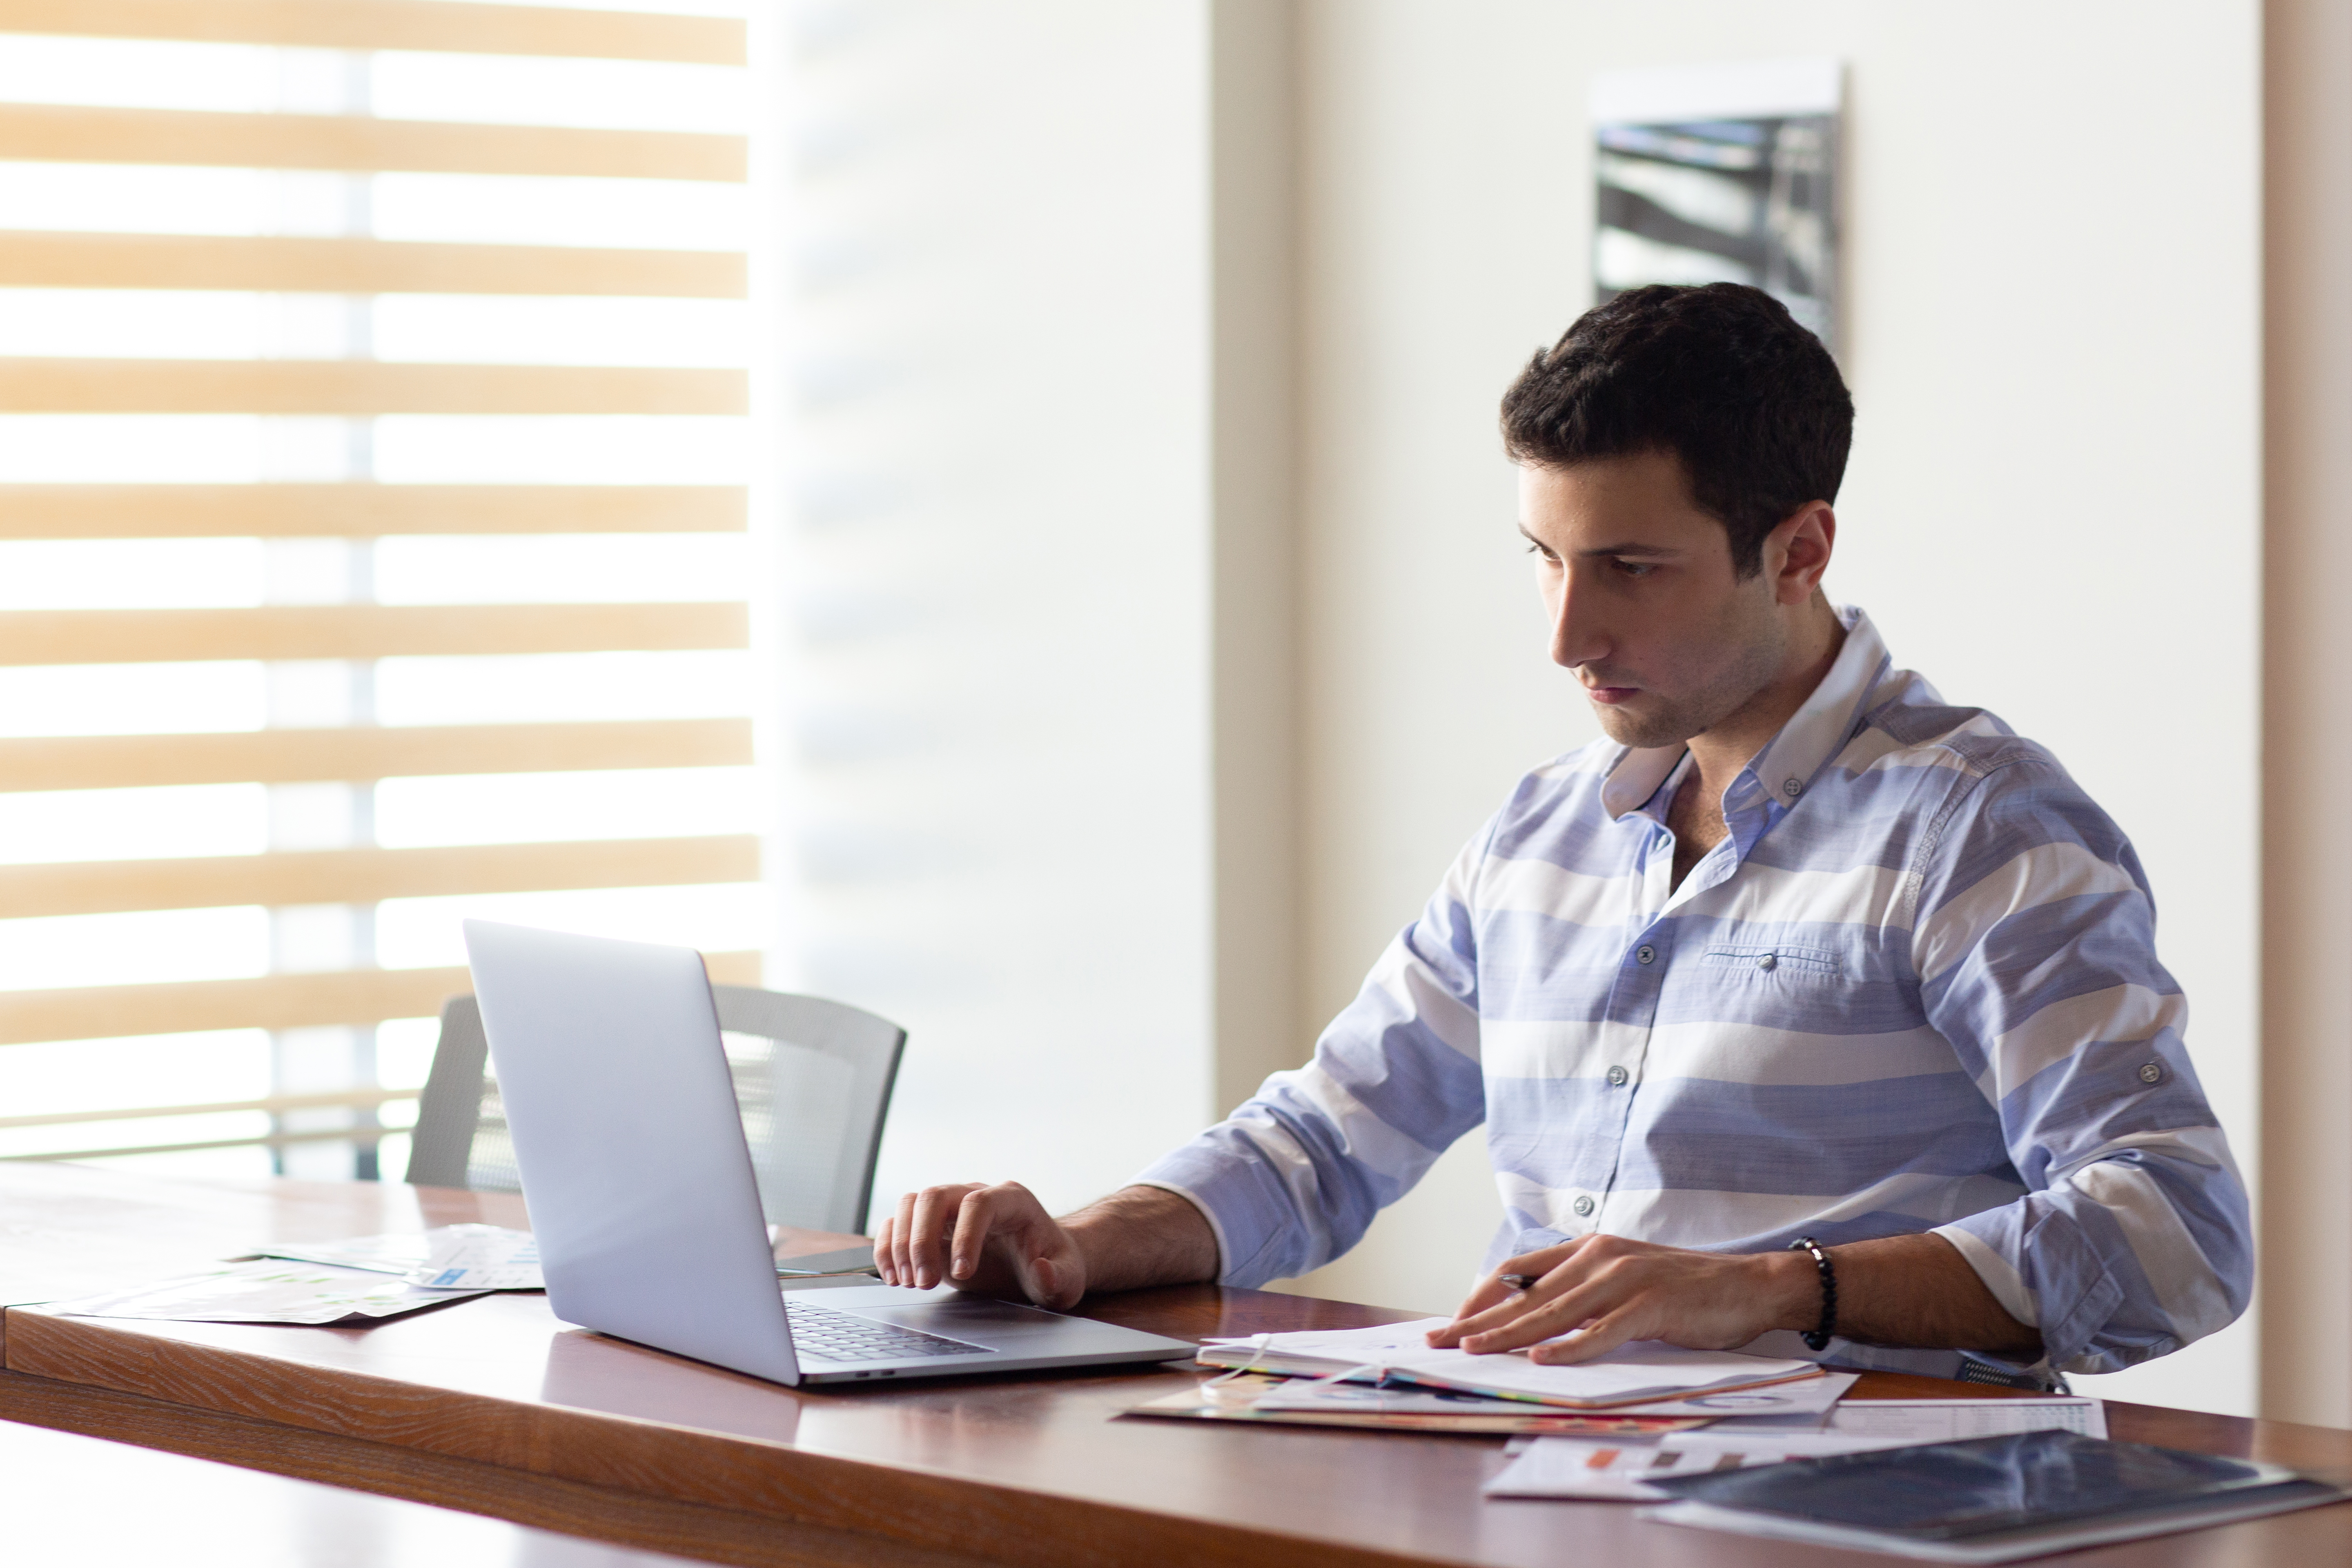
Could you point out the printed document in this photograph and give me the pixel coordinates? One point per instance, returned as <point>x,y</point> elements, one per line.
<point>266,1291</point>
<point>452,1258</point>
<point>1588,1468</point>
<point>479,1257</point>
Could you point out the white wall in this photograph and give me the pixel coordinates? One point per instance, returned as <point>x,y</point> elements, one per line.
<point>2052,318</point>
<point>995,629</point>
<point>1039,268</point>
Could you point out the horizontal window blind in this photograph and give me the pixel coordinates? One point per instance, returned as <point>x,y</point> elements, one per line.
<point>373,542</point>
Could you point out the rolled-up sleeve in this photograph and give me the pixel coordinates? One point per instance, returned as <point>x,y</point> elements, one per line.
<point>2034,942</point>
<point>1293,1177</point>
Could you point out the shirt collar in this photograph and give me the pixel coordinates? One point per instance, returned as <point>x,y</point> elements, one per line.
<point>1814,735</point>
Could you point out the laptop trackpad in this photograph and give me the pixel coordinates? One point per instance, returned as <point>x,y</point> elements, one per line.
<point>954,1316</point>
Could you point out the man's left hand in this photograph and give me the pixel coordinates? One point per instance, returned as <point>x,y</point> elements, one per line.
<point>1593,1294</point>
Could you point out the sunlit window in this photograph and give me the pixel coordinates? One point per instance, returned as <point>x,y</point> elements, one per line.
<point>374,549</point>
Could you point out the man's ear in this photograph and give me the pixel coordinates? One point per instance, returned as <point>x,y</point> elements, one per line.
<point>1797,552</point>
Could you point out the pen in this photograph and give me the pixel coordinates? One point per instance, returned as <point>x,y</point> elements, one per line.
<point>1520,1282</point>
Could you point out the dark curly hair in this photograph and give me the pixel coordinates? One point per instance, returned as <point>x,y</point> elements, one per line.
<point>1720,375</point>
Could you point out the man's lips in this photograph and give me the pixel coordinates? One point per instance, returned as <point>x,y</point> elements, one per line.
<point>1609,696</point>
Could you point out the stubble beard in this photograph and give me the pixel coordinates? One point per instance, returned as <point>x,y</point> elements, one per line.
<point>1718,694</point>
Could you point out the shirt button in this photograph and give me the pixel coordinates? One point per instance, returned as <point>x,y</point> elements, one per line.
<point>1646,953</point>
<point>1793,788</point>
<point>1768,961</point>
<point>1583,1207</point>
<point>1617,1077</point>
<point>2151,1072</point>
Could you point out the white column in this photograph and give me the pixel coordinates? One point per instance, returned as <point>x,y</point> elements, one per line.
<point>998,556</point>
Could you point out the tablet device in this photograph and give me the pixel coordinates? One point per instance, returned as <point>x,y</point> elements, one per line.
<point>1989,1500</point>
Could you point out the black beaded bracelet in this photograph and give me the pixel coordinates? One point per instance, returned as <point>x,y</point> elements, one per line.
<point>1818,1340</point>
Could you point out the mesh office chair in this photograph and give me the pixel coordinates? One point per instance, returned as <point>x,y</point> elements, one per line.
<point>812,1080</point>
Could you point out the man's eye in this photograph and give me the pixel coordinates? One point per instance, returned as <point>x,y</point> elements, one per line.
<point>1633,568</point>
<point>1540,550</point>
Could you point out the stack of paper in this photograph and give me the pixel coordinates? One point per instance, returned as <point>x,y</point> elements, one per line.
<point>1641,1374</point>
<point>1805,1400</point>
<point>1254,1397</point>
<point>1581,1467</point>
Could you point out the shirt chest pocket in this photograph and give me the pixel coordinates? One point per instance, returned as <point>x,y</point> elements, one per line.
<point>1778,963</point>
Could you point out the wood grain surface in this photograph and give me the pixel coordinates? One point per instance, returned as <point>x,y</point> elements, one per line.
<point>76,1498</point>
<point>622,1519</point>
<point>494,1404</point>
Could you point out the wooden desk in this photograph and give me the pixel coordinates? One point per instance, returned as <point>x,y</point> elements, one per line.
<point>74,1499</point>
<point>493,1406</point>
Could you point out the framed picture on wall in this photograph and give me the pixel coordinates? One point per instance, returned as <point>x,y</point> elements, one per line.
<point>1722,172</point>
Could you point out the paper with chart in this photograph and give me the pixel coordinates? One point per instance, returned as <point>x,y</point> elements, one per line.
<point>268,1290</point>
<point>480,1258</point>
<point>451,1257</point>
<point>377,1254</point>
<point>1588,1467</point>
<point>1645,1371</point>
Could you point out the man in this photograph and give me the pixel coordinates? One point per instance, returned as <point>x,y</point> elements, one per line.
<point>1800,956</point>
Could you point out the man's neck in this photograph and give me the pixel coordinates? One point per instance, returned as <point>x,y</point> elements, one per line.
<point>1720,752</point>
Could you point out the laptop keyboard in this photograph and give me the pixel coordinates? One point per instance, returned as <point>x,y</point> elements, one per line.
<point>820,1333</point>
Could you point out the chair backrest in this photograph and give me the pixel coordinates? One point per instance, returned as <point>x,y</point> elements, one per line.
<point>812,1081</point>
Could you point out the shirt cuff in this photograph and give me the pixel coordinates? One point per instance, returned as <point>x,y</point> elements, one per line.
<point>1228,1178</point>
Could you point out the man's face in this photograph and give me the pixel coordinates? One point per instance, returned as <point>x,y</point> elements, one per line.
<point>1645,607</point>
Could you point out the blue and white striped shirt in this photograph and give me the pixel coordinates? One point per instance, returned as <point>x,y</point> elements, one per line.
<point>1914,988</point>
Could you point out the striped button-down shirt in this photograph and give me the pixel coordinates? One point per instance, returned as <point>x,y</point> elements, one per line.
<point>1914,988</point>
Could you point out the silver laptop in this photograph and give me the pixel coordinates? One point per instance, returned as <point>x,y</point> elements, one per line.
<point>639,1183</point>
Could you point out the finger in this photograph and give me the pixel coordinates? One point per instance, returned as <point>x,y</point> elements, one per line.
<point>882,1248</point>
<point>980,1214</point>
<point>1514,1278</point>
<point>1035,1247</point>
<point>1037,1279</point>
<point>902,1263</point>
<point>1491,1292</point>
<point>1512,1306</point>
<point>1595,1338</point>
<point>927,1249</point>
<point>1563,1313</point>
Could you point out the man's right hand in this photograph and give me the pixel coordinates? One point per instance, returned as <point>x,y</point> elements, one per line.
<point>997,1240</point>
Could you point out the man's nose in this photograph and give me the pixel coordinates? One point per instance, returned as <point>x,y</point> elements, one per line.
<point>1577,635</point>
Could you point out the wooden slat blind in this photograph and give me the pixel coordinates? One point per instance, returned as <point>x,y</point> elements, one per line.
<point>365,755</point>
<point>292,510</point>
<point>370,876</point>
<point>423,25</point>
<point>61,134</point>
<point>272,1002</point>
<point>362,631</point>
<point>298,264</point>
<point>356,388</point>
